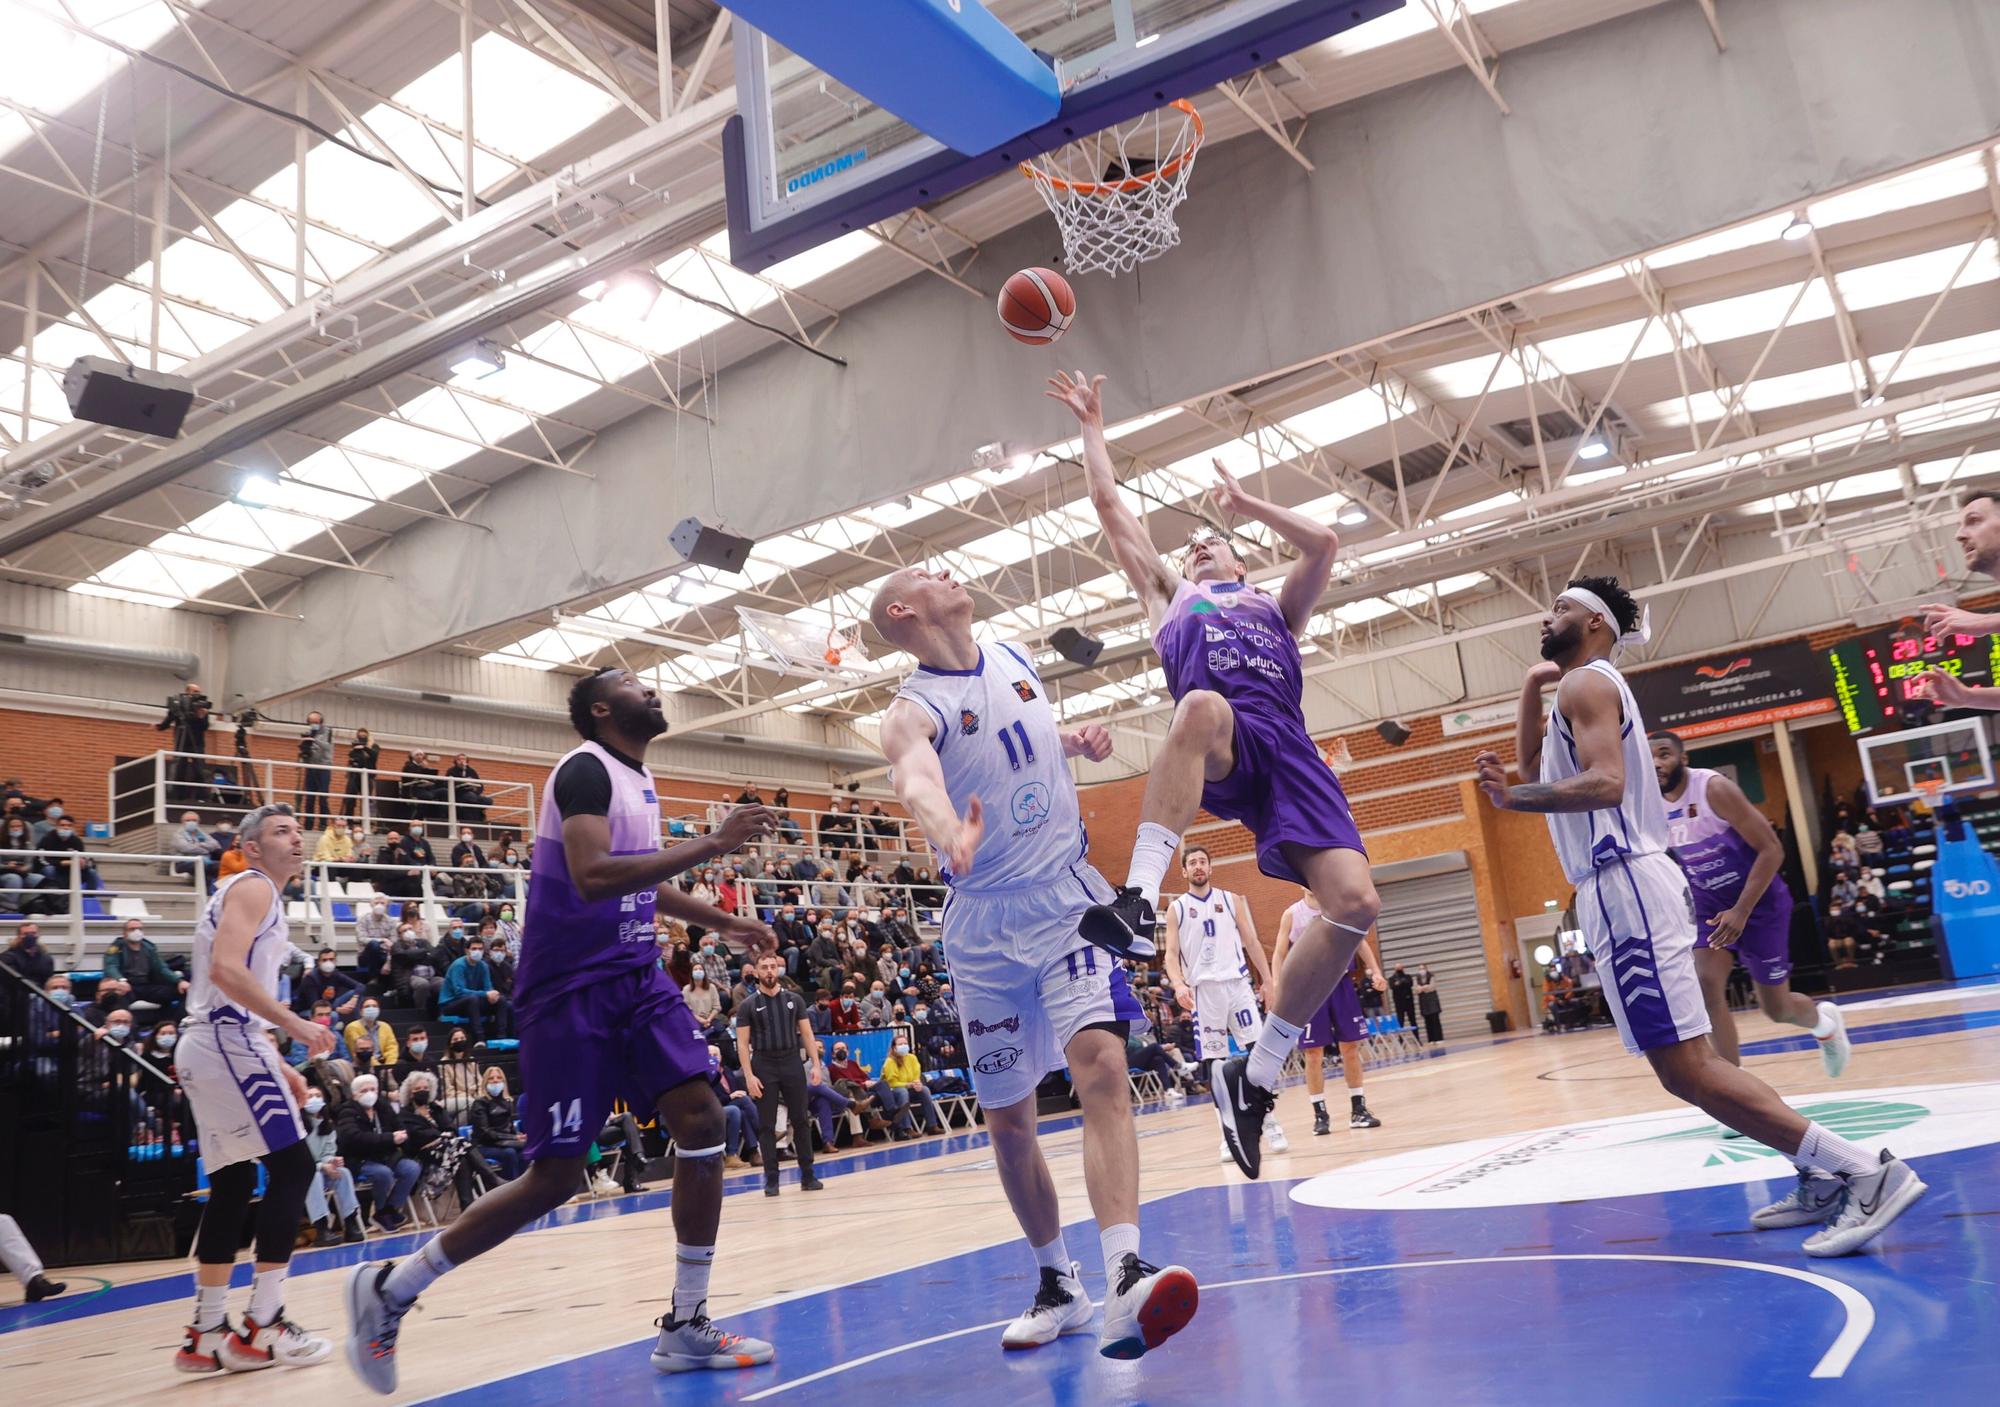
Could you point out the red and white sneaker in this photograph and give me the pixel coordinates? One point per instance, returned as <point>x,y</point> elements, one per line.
<point>280,1343</point>
<point>200,1350</point>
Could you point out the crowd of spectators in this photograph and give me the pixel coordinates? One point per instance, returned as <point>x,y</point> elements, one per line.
<point>42,848</point>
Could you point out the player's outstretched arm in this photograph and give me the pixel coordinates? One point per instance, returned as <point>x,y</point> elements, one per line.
<point>1590,702</point>
<point>1316,543</point>
<point>670,901</point>
<point>907,734</point>
<point>1170,959</point>
<point>599,874</point>
<point>1131,544</point>
<point>1952,692</point>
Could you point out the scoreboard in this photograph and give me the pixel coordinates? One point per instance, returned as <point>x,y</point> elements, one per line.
<point>1876,677</point>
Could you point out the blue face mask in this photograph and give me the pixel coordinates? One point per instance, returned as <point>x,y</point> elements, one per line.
<point>906,974</point>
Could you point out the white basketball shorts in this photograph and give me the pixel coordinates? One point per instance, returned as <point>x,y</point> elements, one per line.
<point>1225,1009</point>
<point>235,1084</point>
<point>1638,919</point>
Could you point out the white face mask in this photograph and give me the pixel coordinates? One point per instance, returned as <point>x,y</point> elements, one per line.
<point>326,967</point>
<point>381,908</point>
<point>166,1042</point>
<point>315,1104</point>
<point>367,1100</point>
<point>496,1090</point>
<point>419,1047</point>
<point>118,1032</point>
<point>369,1013</point>
<point>901,1048</point>
<point>416,830</point>
<point>465,836</point>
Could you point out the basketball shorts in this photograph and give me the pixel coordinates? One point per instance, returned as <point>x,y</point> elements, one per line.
<point>1338,1020</point>
<point>629,1037</point>
<point>1638,919</point>
<point>1282,791</point>
<point>234,1080</point>
<point>1225,1009</point>
<point>1765,949</point>
<point>1026,981</point>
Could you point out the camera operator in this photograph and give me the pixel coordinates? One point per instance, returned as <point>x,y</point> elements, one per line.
<point>248,796</point>
<point>187,716</point>
<point>363,756</point>
<point>316,752</point>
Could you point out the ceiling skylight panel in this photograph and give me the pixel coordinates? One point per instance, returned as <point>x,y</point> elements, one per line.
<point>50,68</point>
<point>1940,180</point>
<point>1918,276</point>
<point>1754,314</point>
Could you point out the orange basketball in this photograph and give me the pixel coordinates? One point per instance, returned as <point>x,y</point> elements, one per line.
<point>1036,305</point>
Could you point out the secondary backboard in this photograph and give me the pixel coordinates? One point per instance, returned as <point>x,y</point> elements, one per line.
<point>808,158</point>
<point>1946,757</point>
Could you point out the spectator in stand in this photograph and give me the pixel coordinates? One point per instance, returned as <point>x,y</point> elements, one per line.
<point>454,944</point>
<point>902,1072</point>
<point>887,829</point>
<point>792,938</point>
<point>320,1015</point>
<point>888,970</point>
<point>134,968</point>
<point>1871,886</point>
<point>469,992</point>
<point>459,1084</point>
<point>64,847</point>
<point>26,956</point>
<point>332,1177</point>
<point>327,983</point>
<point>493,1129</point>
<point>372,1142</point>
<point>335,849</point>
<point>508,930</point>
<point>363,757</point>
<point>417,852</point>
<point>52,812</point>
<point>1843,935</point>
<point>435,1148</point>
<point>825,960</point>
<point>1146,1054</point>
<point>703,1000</point>
<point>499,957</point>
<point>781,802</point>
<point>366,1058</point>
<point>392,856</point>
<point>897,930</point>
<point>876,1009</point>
<point>413,965</point>
<point>860,965</point>
<point>742,1126</point>
<point>21,870</point>
<point>929,894</point>
<point>872,1097</point>
<point>729,892</point>
<point>197,844</point>
<point>375,924</point>
<point>940,1041</point>
<point>370,1029</point>
<point>468,795</point>
<point>845,1014</point>
<point>806,870</point>
<point>418,1057</point>
<point>467,855</point>
<point>316,752</point>
<point>1868,839</point>
<point>233,861</point>
<point>421,789</point>
<point>835,830</point>
<point>903,876</point>
<point>1847,889</point>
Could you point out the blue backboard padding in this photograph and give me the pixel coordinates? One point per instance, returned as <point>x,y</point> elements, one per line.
<point>946,67</point>
<point>1251,45</point>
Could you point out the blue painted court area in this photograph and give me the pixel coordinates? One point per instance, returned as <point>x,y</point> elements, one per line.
<point>1941,1023</point>
<point>1664,1299</point>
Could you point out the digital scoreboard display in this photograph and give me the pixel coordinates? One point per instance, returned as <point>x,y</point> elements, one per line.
<point>1877,678</point>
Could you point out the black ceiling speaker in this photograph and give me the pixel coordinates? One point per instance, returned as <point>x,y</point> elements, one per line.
<point>1393,733</point>
<point>1076,647</point>
<point>710,547</point>
<point>110,393</point>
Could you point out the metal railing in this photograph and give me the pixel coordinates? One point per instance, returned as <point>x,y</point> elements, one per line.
<point>159,788</point>
<point>57,902</point>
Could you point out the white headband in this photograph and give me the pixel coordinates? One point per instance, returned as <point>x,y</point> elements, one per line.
<point>1592,602</point>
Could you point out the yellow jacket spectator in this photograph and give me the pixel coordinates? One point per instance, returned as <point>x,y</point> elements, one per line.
<point>336,843</point>
<point>371,1030</point>
<point>902,1071</point>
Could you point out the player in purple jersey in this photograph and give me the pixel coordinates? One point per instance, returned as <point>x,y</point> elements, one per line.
<point>599,1021</point>
<point>1742,909</point>
<point>1237,746</point>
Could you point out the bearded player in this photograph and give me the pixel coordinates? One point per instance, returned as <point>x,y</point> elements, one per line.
<point>1742,909</point>
<point>1237,747</point>
<point>1609,824</point>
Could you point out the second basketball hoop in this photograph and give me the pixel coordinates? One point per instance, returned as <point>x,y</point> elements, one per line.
<point>1114,192</point>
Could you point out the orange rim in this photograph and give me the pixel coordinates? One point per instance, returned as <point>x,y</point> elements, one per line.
<point>1133,184</point>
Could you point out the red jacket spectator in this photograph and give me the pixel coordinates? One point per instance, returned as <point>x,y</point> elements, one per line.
<point>846,1012</point>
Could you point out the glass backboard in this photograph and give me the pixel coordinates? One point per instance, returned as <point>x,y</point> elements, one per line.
<point>1923,762</point>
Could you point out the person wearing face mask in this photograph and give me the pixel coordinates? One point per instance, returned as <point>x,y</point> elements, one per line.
<point>904,1075</point>
<point>369,1030</point>
<point>434,1142</point>
<point>21,869</point>
<point>134,970</point>
<point>372,1141</point>
<point>469,992</point>
<point>52,812</point>
<point>873,1099</point>
<point>335,849</point>
<point>467,793</point>
<point>499,957</point>
<point>64,847</point>
<point>26,956</point>
<point>417,852</point>
<point>419,1056</point>
<point>742,1126</point>
<point>508,930</point>
<point>325,982</point>
<point>341,1221</point>
<point>451,947</point>
<point>704,1001</point>
<point>198,845</point>
<point>393,875</point>
<point>472,881</point>
<point>422,792</point>
<point>846,1011</point>
<point>363,757</point>
<point>321,1015</point>
<point>493,1130</point>
<point>876,1009</point>
<point>413,967</point>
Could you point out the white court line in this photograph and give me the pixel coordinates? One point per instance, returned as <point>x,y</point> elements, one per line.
<point>1860,1321</point>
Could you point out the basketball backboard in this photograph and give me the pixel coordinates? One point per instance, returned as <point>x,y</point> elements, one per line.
<point>1936,760</point>
<point>808,158</point>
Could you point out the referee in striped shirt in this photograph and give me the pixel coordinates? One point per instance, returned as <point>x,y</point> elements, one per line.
<point>772,1027</point>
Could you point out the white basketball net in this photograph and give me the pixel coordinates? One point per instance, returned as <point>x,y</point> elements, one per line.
<point>1114,192</point>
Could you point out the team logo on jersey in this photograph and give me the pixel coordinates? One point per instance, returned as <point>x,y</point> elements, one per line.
<point>1025,690</point>
<point>968,722</point>
<point>1010,1024</point>
<point>1202,606</point>
<point>1218,906</point>
<point>1031,804</point>
<point>1216,634</point>
<point>651,799</point>
<point>1224,658</point>
<point>996,1062</point>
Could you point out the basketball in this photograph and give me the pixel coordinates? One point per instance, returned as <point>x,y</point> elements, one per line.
<point>1036,305</point>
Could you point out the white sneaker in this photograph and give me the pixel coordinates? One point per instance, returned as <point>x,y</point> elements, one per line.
<point>1813,1200</point>
<point>1834,1050</point>
<point>1060,1307</point>
<point>696,1345</point>
<point>1871,1201</point>
<point>278,1344</point>
<point>1227,1156</point>
<point>1146,1306</point>
<point>1274,1138</point>
<point>201,1349</point>
<point>604,1185</point>
<point>373,1323</point>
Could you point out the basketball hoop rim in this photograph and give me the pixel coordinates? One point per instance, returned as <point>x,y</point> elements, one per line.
<point>1132,184</point>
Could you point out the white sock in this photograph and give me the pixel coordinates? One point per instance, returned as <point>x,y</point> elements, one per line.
<point>1274,1048</point>
<point>1823,1148</point>
<point>1829,1020</point>
<point>1054,1256</point>
<point>413,1274</point>
<point>1357,1092</point>
<point>1152,852</point>
<point>691,1267</point>
<point>1319,1103</point>
<point>1118,1241</point>
<point>267,1295</point>
<point>211,1306</point>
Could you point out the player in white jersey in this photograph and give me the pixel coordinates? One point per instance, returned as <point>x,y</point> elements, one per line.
<point>977,757</point>
<point>1211,947</point>
<point>1597,787</point>
<point>245,1101</point>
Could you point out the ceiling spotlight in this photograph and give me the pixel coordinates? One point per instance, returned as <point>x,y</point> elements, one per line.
<point>480,360</point>
<point>989,456</point>
<point>1798,229</point>
<point>1594,448</point>
<point>1352,516</point>
<point>631,294</point>
<point>1020,462</point>
<point>257,490</point>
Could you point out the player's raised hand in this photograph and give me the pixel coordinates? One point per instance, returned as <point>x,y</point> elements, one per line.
<point>1229,494</point>
<point>1492,778</point>
<point>1092,740</point>
<point>959,849</point>
<point>1940,619</point>
<point>744,824</point>
<point>754,935</point>
<point>1084,395</point>
<point>1543,674</point>
<point>1948,689</point>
